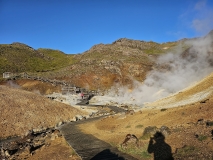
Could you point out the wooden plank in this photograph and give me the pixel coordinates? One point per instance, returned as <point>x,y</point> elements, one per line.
<point>87,146</point>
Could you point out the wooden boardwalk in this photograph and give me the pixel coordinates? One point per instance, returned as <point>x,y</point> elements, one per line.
<point>87,146</point>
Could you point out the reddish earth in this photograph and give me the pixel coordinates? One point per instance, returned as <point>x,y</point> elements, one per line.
<point>190,123</point>
<point>191,136</point>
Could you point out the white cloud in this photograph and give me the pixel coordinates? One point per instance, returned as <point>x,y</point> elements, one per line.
<point>202,22</point>
<point>203,25</point>
<point>200,5</point>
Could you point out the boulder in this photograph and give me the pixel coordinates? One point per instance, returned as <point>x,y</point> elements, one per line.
<point>149,131</point>
<point>165,130</point>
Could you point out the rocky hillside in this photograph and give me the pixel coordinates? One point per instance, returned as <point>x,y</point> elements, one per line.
<point>105,65</point>
<point>186,116</point>
<point>99,68</point>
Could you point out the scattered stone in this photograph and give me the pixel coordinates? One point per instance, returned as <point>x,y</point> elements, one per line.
<point>130,138</point>
<point>163,109</point>
<point>59,123</point>
<point>204,101</point>
<point>209,123</point>
<point>27,145</point>
<point>78,117</point>
<point>200,121</point>
<point>73,119</point>
<point>6,153</point>
<point>131,112</point>
<point>124,106</point>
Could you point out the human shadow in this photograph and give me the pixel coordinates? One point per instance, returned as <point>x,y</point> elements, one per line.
<point>107,155</point>
<point>158,146</point>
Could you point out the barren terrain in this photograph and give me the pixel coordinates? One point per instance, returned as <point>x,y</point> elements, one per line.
<point>190,123</point>
<point>22,111</point>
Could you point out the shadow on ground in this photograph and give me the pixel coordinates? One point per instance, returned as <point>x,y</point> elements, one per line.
<point>158,146</point>
<point>107,154</point>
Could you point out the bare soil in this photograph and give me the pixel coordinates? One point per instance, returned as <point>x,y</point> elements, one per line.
<point>187,122</point>
<point>22,111</point>
<point>190,122</point>
<point>56,149</point>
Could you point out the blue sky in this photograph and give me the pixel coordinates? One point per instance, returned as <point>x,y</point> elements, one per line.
<point>74,26</point>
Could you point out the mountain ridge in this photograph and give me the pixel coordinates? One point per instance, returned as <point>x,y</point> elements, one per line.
<point>103,64</point>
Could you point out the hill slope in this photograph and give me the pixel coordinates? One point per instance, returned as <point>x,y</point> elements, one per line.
<point>104,65</point>
<point>188,126</point>
<point>21,111</point>
<point>18,57</point>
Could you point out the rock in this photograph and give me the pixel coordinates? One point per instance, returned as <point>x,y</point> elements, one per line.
<point>131,112</point>
<point>59,123</point>
<point>204,101</point>
<point>37,130</point>
<point>55,134</point>
<point>78,117</point>
<point>53,137</point>
<point>6,153</point>
<point>149,131</point>
<point>25,151</point>
<point>165,130</point>
<point>200,121</point>
<point>130,138</point>
<point>28,132</point>
<point>73,119</point>
<point>2,155</point>
<point>209,123</point>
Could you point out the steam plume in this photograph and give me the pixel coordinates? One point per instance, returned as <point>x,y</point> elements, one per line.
<point>174,72</point>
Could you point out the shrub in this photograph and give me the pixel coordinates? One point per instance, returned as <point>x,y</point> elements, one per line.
<point>128,126</point>
<point>202,137</point>
<point>139,126</point>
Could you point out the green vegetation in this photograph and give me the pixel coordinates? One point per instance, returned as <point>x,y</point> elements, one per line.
<point>145,137</point>
<point>163,109</point>
<point>153,51</point>
<point>202,137</point>
<point>19,57</point>
<point>136,151</point>
<point>186,150</point>
<point>139,126</point>
<point>140,152</point>
<point>121,58</point>
<point>128,126</point>
<point>210,123</point>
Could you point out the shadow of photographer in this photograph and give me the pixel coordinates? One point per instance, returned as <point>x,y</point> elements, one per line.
<point>107,155</point>
<point>158,146</point>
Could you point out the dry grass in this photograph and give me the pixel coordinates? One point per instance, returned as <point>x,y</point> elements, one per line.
<point>21,111</point>
<point>181,120</point>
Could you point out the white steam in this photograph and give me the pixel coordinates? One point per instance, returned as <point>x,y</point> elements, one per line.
<point>12,84</point>
<point>174,72</point>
